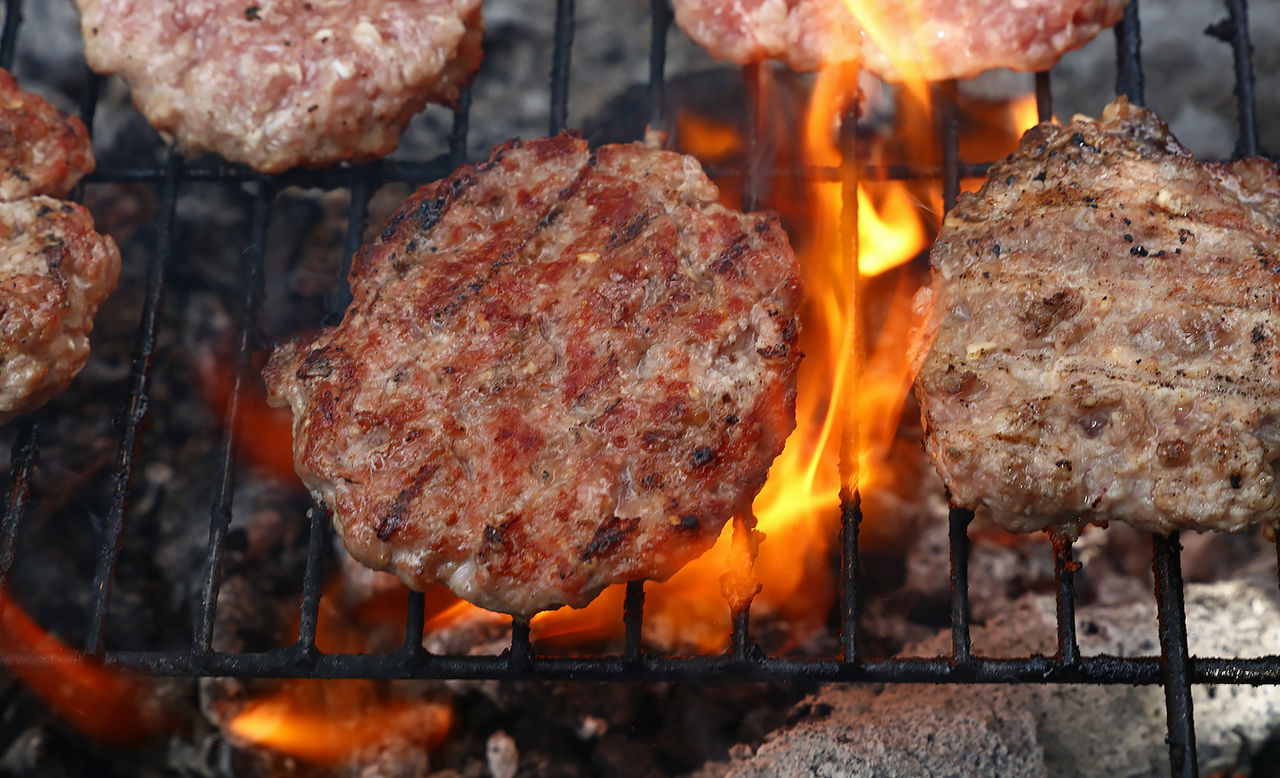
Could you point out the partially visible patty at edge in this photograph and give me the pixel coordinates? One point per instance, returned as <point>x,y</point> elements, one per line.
<point>281,83</point>
<point>55,271</point>
<point>918,39</point>
<point>43,151</point>
<point>561,369</point>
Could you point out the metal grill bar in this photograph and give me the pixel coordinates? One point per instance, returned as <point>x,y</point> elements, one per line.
<point>309,610</point>
<point>1175,657</point>
<point>9,35</point>
<point>850,522</point>
<point>139,402</point>
<point>1237,34</point>
<point>1128,56</point>
<point>1044,97</point>
<point>648,667</point>
<point>560,66</point>
<point>1064,568</point>
<point>660,15</point>
<point>22,460</point>
<point>220,513</point>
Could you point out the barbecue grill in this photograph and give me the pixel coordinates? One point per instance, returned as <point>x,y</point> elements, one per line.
<point>1174,669</point>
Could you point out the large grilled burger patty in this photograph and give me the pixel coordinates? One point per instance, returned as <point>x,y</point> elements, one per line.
<point>280,83</point>
<point>1106,343</point>
<point>561,369</point>
<point>928,39</point>
<point>54,269</point>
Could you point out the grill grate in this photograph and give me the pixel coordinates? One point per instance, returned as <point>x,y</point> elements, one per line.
<point>1174,669</point>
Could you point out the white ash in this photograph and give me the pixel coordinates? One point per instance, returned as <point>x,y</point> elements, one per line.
<point>502,755</point>
<point>1033,730</point>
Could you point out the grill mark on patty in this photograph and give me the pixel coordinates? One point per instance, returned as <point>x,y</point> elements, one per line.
<point>395,517</point>
<point>607,537</point>
<point>509,256</point>
<point>629,232</point>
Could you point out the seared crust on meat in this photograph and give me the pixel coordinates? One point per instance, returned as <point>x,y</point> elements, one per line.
<point>1106,346</point>
<point>43,151</point>
<point>561,369</point>
<point>54,273</point>
<point>281,83</point>
<point>912,39</point>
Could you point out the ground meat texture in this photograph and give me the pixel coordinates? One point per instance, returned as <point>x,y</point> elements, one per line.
<point>919,39</point>
<point>561,369</point>
<point>42,150</point>
<point>281,83</point>
<point>1106,334</point>
<point>54,273</point>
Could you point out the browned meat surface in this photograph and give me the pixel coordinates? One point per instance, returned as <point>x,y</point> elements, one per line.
<point>896,39</point>
<point>54,273</point>
<point>1106,346</point>
<point>561,369</point>
<point>42,150</point>
<point>279,83</point>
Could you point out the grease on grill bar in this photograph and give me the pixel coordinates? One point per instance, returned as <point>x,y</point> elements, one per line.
<point>1174,669</point>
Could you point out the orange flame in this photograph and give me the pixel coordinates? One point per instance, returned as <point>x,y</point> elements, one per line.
<point>110,706</point>
<point>331,722</point>
<point>263,435</point>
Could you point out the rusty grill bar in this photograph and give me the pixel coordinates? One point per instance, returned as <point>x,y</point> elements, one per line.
<point>1174,668</point>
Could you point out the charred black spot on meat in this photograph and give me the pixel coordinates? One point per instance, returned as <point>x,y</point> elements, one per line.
<point>786,337</point>
<point>1236,481</point>
<point>731,419</point>
<point>689,522</point>
<point>629,232</point>
<point>1138,251</point>
<point>607,536</point>
<point>253,13</point>
<point>318,363</point>
<point>732,253</point>
<point>1063,464</point>
<point>1258,335</point>
<point>1078,139</point>
<point>1044,314</point>
<point>396,514</point>
<point>703,455</point>
<point>652,482</point>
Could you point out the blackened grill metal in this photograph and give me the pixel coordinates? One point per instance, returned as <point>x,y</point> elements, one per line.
<point>1174,669</point>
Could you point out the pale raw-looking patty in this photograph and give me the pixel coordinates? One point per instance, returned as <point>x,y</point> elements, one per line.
<point>926,39</point>
<point>1106,343</point>
<point>54,273</point>
<point>42,150</point>
<point>562,369</point>
<point>280,83</point>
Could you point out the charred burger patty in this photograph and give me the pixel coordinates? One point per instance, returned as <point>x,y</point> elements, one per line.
<point>561,369</point>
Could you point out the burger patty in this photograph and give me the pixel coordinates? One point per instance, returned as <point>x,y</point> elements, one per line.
<point>280,83</point>
<point>1106,334</point>
<point>922,39</point>
<point>561,369</point>
<point>42,150</point>
<point>54,273</point>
